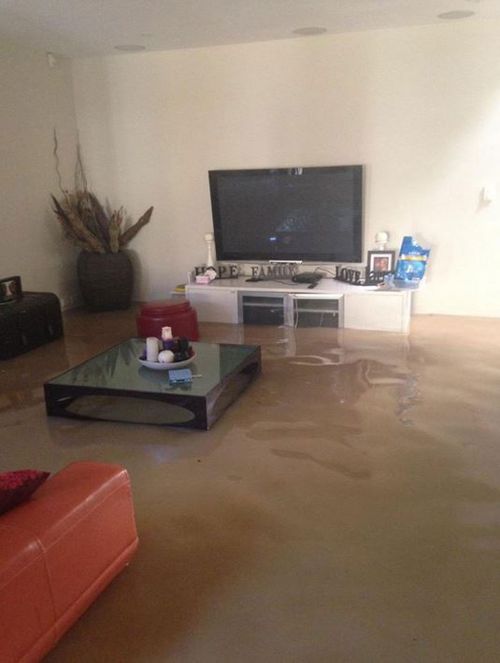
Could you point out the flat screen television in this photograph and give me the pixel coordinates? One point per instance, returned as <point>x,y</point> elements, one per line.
<point>308,214</point>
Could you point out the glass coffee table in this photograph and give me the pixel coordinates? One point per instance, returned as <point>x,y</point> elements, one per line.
<point>113,386</point>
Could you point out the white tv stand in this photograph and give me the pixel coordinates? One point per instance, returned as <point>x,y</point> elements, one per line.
<point>331,304</point>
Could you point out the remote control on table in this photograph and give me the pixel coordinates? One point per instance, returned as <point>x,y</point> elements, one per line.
<point>180,375</point>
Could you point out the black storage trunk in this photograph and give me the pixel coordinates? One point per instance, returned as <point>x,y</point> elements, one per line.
<point>32,321</point>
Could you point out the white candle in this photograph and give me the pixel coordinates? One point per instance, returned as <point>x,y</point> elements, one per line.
<point>152,348</point>
<point>166,333</point>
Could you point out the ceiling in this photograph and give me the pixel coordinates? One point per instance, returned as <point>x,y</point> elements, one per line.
<point>79,28</point>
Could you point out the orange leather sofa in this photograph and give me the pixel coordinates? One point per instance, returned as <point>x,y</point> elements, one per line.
<point>58,551</point>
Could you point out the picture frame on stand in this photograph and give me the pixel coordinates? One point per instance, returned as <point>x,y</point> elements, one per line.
<point>10,289</point>
<point>381,261</point>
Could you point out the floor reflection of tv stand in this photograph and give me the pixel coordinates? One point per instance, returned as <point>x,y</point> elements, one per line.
<point>330,304</point>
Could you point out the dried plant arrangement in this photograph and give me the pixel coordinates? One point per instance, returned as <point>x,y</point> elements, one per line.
<point>85,221</point>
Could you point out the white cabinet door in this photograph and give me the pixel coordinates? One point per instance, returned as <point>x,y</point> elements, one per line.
<point>382,311</point>
<point>214,305</point>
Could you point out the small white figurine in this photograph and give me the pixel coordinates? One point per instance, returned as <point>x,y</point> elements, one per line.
<point>209,239</point>
<point>381,239</point>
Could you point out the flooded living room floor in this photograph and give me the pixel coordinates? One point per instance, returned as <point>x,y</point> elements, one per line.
<point>345,508</point>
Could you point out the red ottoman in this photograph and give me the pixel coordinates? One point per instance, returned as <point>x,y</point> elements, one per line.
<point>177,314</point>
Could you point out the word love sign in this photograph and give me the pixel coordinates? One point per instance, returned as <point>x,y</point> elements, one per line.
<point>357,277</point>
<point>348,275</point>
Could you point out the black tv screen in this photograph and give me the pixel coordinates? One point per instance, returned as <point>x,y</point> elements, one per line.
<point>309,214</point>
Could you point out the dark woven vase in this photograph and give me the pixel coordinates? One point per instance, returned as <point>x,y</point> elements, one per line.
<point>106,280</point>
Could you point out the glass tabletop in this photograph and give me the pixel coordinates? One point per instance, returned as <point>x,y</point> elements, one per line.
<point>119,368</point>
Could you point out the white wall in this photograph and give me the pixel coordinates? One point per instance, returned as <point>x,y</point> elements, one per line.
<point>35,99</point>
<point>419,107</point>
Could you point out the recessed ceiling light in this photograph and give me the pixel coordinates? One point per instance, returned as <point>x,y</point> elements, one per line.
<point>130,47</point>
<point>309,32</point>
<point>456,14</point>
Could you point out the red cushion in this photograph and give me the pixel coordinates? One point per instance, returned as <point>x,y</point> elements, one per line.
<point>17,486</point>
<point>164,307</point>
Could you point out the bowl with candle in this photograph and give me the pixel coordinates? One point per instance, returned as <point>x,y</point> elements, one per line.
<point>161,354</point>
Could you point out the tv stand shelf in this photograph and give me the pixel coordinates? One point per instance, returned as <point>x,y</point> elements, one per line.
<point>329,304</point>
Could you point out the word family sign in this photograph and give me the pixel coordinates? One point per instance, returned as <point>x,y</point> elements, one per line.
<point>280,270</point>
<point>267,272</point>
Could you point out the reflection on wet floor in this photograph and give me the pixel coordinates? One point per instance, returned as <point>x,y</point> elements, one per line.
<point>359,363</point>
<point>328,465</point>
<point>345,508</point>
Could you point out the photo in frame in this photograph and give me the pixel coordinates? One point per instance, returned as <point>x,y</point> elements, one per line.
<point>10,289</point>
<point>381,261</point>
